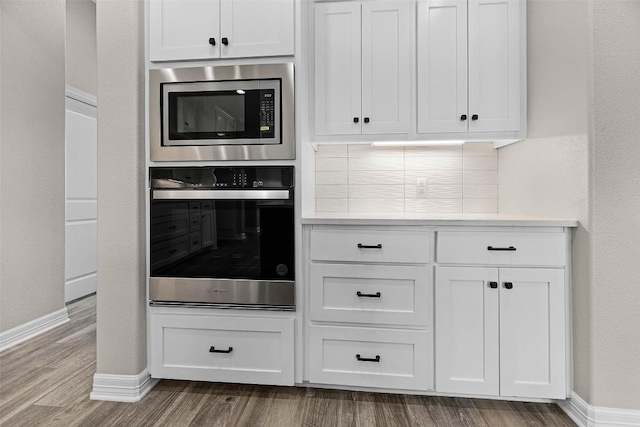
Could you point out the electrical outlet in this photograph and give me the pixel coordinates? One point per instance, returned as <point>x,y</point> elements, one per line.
<point>421,187</point>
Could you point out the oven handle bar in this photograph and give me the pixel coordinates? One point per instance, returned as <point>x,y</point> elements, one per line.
<point>221,195</point>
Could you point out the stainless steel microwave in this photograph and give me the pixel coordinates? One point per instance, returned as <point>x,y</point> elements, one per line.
<point>241,112</point>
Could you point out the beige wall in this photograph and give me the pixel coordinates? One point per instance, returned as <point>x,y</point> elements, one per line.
<point>121,334</point>
<point>32,160</point>
<point>616,205</point>
<point>548,173</point>
<point>81,62</point>
<point>580,161</point>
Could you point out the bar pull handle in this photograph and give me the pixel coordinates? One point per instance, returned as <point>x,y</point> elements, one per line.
<point>493,285</point>
<point>365,359</point>
<point>378,246</point>
<point>376,295</point>
<point>213,350</point>
<point>510,248</point>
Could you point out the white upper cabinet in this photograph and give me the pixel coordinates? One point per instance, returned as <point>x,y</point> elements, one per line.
<point>442,66</point>
<point>181,29</point>
<point>363,67</point>
<point>483,95</point>
<point>210,29</point>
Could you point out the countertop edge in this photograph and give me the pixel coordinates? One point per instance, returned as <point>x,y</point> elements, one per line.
<point>467,222</point>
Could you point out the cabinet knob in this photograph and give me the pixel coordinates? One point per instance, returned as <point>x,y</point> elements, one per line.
<point>508,285</point>
<point>225,41</point>
<point>212,41</point>
<point>463,117</point>
<point>366,119</point>
<point>493,285</point>
<point>474,117</point>
<point>356,120</point>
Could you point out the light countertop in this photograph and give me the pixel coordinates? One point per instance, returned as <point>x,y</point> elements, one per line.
<point>332,218</point>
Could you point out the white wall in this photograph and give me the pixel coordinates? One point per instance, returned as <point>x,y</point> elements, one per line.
<point>615,205</point>
<point>32,160</point>
<point>121,333</point>
<point>581,161</point>
<point>81,60</point>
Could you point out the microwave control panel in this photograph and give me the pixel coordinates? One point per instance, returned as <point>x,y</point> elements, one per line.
<point>267,113</point>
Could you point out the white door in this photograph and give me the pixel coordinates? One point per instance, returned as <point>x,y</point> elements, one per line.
<point>386,66</point>
<point>532,333</point>
<point>184,29</point>
<point>494,65</point>
<point>467,330</point>
<point>256,28</point>
<point>81,234</point>
<point>338,68</point>
<point>442,66</point>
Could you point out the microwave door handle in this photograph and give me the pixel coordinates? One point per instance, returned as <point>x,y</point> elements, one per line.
<point>220,195</point>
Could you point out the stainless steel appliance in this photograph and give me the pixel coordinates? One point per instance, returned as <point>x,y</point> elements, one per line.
<point>240,112</point>
<point>222,237</point>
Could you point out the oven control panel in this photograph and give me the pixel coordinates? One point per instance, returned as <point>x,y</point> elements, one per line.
<point>267,177</point>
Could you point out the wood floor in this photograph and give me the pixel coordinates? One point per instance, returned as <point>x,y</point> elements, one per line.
<point>47,381</point>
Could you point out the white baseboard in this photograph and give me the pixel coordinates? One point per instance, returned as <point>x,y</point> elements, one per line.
<point>122,388</point>
<point>586,415</point>
<point>31,329</point>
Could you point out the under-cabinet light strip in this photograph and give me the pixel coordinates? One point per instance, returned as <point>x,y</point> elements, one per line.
<point>415,143</point>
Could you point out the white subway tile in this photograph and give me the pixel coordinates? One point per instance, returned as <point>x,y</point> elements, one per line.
<point>439,177</point>
<point>332,192</point>
<point>329,150</point>
<point>376,205</point>
<point>480,191</point>
<point>480,205</point>
<point>480,177</point>
<point>376,191</point>
<point>480,163</point>
<point>433,163</point>
<point>331,178</point>
<point>324,164</point>
<point>479,149</point>
<point>363,177</point>
<point>332,205</point>
<point>436,151</point>
<point>376,163</point>
<point>366,150</point>
<point>433,206</point>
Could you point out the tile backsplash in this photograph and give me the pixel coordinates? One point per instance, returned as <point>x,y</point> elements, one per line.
<point>362,178</point>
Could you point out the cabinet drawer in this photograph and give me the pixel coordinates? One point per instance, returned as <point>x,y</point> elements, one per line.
<point>365,357</point>
<point>374,294</point>
<point>229,349</point>
<point>194,221</point>
<point>195,242</point>
<point>501,248</point>
<point>168,251</point>
<point>370,245</point>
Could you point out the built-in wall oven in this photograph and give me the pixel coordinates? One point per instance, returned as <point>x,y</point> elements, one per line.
<point>222,237</point>
<point>213,113</point>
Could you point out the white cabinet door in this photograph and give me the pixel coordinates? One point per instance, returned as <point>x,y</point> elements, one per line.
<point>181,29</point>
<point>532,333</point>
<point>256,28</point>
<point>338,68</point>
<point>494,65</point>
<point>386,66</point>
<point>442,66</point>
<point>467,330</point>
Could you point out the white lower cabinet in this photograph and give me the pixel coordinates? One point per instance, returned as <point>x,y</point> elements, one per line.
<point>250,350</point>
<point>500,331</point>
<point>370,357</point>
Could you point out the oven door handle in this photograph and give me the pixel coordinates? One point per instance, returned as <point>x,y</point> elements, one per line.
<point>221,194</point>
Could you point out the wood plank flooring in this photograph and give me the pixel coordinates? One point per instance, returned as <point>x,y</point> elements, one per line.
<point>47,380</point>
